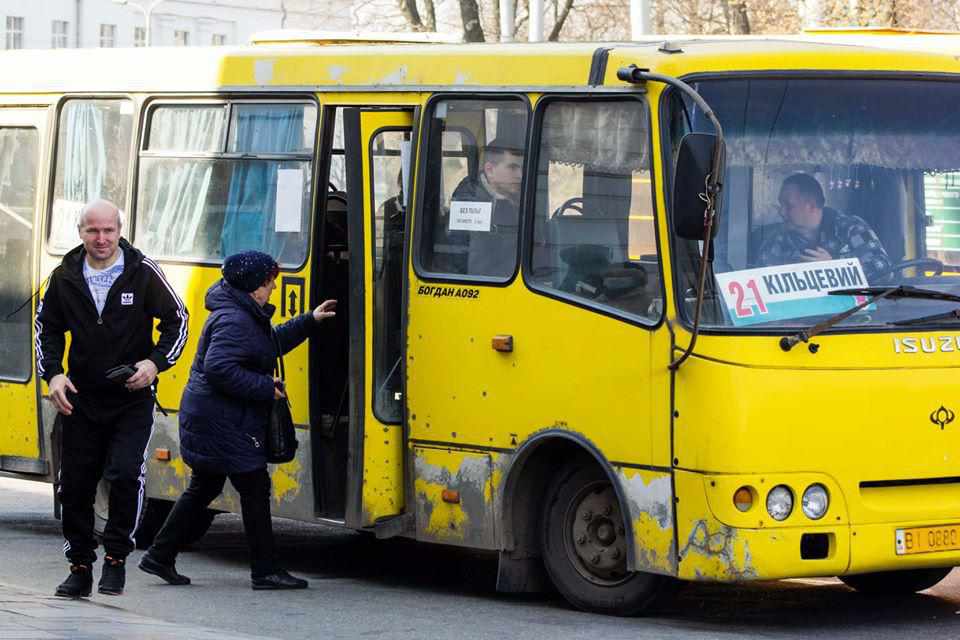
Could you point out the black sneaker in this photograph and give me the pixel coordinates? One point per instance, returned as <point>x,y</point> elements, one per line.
<point>279,579</point>
<point>168,572</point>
<point>78,584</point>
<point>113,577</point>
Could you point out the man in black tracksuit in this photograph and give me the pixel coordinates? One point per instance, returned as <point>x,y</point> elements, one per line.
<point>106,294</point>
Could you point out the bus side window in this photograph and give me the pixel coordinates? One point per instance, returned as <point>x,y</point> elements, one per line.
<point>19,156</point>
<point>474,173</point>
<point>594,233</point>
<point>93,157</point>
<point>220,178</point>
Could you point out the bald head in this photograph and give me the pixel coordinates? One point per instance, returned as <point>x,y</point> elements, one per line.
<point>100,209</point>
<point>99,228</point>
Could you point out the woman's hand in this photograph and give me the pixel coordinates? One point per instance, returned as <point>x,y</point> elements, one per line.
<point>278,389</point>
<point>325,310</point>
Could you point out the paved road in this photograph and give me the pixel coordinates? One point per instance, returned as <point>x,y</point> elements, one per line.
<point>364,588</point>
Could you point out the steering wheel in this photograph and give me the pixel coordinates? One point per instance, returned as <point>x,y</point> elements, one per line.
<point>931,263</point>
<point>575,203</point>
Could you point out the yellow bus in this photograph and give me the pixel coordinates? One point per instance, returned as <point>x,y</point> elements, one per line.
<point>588,373</point>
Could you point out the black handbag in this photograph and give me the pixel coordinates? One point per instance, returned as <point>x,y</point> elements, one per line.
<point>281,435</point>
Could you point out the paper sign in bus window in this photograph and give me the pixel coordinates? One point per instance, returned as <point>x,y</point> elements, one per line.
<point>470,216</point>
<point>790,291</point>
<point>289,201</point>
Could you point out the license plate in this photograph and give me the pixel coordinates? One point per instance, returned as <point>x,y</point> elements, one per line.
<point>945,537</point>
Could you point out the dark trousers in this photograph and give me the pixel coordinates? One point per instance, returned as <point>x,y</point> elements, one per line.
<point>105,440</point>
<point>254,490</point>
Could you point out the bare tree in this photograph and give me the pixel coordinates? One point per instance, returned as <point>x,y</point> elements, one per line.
<point>430,14</point>
<point>470,14</point>
<point>561,19</point>
<point>410,13</point>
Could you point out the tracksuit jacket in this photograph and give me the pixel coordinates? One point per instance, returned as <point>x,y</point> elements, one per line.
<point>121,334</point>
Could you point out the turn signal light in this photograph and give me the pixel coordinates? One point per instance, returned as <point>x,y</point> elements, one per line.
<point>163,455</point>
<point>743,499</point>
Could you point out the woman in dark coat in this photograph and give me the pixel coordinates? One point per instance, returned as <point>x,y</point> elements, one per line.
<point>224,414</point>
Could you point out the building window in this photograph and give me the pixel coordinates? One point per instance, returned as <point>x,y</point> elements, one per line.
<point>181,38</point>
<point>139,36</point>
<point>58,34</point>
<point>108,35</point>
<point>218,39</point>
<point>14,32</point>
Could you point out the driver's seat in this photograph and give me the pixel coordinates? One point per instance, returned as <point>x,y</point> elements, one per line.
<point>582,248</point>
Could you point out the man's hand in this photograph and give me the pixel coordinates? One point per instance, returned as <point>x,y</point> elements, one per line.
<point>278,391</point>
<point>815,255</point>
<point>325,310</point>
<point>144,377</point>
<point>58,393</point>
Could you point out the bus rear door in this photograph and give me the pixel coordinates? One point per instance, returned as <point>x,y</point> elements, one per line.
<point>21,146</point>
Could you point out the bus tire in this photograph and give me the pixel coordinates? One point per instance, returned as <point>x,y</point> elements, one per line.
<point>585,547</point>
<point>896,583</point>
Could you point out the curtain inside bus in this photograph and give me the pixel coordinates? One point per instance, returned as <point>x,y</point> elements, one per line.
<point>249,219</point>
<point>178,209</point>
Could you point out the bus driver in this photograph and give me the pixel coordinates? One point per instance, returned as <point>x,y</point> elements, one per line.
<point>812,232</point>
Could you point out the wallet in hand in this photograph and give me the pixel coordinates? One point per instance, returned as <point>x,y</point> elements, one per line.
<point>120,374</point>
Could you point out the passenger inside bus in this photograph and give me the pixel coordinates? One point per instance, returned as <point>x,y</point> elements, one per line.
<point>812,231</point>
<point>497,184</point>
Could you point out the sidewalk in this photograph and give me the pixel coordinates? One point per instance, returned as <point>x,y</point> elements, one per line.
<point>28,615</point>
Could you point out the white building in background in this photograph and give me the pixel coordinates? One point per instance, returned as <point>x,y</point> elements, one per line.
<point>44,24</point>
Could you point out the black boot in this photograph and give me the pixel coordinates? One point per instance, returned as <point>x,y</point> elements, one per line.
<point>168,572</point>
<point>78,584</point>
<point>113,577</point>
<point>279,579</point>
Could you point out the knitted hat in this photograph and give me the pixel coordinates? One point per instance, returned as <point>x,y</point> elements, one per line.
<point>249,270</point>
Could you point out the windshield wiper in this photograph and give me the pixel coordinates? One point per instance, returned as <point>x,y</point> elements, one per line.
<point>949,315</point>
<point>873,294</point>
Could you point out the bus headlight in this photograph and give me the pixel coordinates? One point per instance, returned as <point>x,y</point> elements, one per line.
<point>779,502</point>
<point>815,501</point>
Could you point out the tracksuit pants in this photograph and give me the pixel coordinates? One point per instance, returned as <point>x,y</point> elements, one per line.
<point>205,486</point>
<point>103,439</point>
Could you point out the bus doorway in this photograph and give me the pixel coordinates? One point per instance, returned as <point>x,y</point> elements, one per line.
<point>20,148</point>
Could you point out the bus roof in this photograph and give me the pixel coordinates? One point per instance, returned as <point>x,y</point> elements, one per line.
<point>432,67</point>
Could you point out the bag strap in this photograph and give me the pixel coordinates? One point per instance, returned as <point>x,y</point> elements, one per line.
<point>279,366</point>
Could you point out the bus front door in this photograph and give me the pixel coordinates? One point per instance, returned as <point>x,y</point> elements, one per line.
<point>377,143</point>
<point>21,146</point>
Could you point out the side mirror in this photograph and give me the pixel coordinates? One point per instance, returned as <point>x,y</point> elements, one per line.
<point>689,181</point>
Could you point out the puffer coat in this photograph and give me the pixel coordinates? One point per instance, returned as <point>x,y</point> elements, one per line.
<point>226,405</point>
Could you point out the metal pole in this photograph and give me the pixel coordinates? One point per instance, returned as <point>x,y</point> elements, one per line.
<point>639,19</point>
<point>812,14</point>
<point>506,20</point>
<point>536,21</point>
<point>79,37</point>
<point>147,17</point>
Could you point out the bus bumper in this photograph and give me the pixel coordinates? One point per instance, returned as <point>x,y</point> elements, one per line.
<point>711,549</point>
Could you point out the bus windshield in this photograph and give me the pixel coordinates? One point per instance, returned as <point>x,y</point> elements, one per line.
<point>831,183</point>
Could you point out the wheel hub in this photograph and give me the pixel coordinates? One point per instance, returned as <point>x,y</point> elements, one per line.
<point>597,545</point>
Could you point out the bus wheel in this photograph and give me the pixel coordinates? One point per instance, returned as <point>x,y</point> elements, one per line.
<point>896,582</point>
<point>585,546</point>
